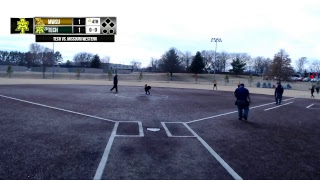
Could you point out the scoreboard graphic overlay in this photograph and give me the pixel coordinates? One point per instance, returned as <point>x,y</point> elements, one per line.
<point>67,29</point>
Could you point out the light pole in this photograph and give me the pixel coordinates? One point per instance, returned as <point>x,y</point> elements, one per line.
<point>215,52</point>
<point>53,61</point>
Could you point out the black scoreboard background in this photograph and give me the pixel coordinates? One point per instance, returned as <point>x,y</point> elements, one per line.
<point>67,29</point>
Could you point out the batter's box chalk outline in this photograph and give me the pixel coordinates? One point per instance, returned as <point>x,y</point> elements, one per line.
<point>168,131</point>
<point>141,133</point>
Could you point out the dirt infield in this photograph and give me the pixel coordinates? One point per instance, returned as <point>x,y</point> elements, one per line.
<point>80,130</point>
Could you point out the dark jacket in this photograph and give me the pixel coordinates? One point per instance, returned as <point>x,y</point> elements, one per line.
<point>147,88</point>
<point>115,80</point>
<point>278,90</point>
<point>312,89</point>
<point>241,93</point>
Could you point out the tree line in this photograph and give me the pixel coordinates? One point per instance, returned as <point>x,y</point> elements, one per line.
<point>36,56</point>
<point>174,61</point>
<point>40,56</point>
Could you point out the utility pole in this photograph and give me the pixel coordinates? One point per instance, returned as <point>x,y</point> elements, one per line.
<point>53,61</point>
<point>215,52</point>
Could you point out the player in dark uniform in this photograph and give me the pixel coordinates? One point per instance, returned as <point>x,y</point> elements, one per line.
<point>243,101</point>
<point>115,83</point>
<point>215,85</point>
<point>147,89</point>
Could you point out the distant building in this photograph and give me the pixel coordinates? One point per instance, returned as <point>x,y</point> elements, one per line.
<point>117,68</point>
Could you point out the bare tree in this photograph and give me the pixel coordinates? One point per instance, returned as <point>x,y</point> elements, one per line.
<point>261,65</point>
<point>300,64</point>
<point>281,67</point>
<point>221,61</point>
<point>186,59</point>
<point>257,65</point>
<point>249,65</point>
<point>266,64</point>
<point>244,57</point>
<point>46,59</point>
<point>35,50</point>
<point>105,59</point>
<point>136,65</point>
<point>154,64</point>
<point>41,56</point>
<point>315,66</point>
<point>83,59</point>
<point>208,59</point>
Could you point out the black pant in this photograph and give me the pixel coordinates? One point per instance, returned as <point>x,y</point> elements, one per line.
<point>114,86</point>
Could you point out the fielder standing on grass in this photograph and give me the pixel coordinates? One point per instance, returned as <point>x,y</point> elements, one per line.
<point>243,101</point>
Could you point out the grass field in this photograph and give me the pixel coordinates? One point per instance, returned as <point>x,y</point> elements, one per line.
<point>161,77</point>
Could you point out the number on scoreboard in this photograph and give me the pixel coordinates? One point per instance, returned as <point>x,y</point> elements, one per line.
<point>79,21</point>
<point>79,29</point>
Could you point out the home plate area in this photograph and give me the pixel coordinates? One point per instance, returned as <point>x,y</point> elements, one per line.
<point>135,129</point>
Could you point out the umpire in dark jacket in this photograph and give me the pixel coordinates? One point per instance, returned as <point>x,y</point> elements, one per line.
<point>243,101</point>
<point>278,93</point>
<point>115,83</point>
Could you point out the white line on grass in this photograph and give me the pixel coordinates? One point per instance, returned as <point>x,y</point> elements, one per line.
<point>60,109</point>
<point>309,105</point>
<point>106,153</point>
<point>214,154</point>
<point>278,106</point>
<point>197,120</point>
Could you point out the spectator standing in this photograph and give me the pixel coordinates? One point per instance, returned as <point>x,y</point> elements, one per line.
<point>312,91</point>
<point>317,89</point>
<point>278,93</point>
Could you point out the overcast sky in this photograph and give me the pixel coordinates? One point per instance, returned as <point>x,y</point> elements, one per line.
<point>147,29</point>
